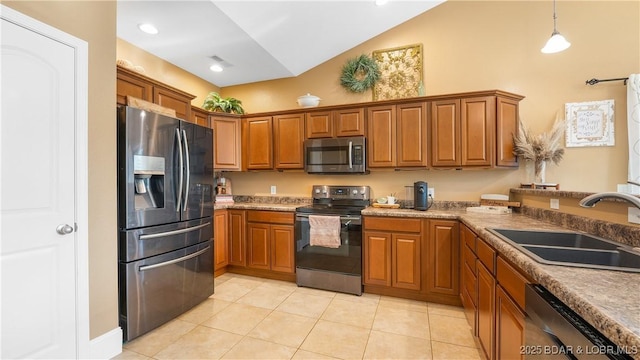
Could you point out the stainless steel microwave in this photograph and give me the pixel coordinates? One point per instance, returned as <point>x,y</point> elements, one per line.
<point>335,156</point>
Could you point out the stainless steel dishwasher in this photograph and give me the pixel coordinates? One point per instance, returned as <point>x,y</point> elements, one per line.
<point>554,331</point>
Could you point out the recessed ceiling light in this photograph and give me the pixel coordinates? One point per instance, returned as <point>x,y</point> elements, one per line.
<point>148,28</point>
<point>215,68</point>
<point>381,2</point>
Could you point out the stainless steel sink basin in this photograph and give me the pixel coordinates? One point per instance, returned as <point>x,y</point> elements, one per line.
<point>556,238</point>
<point>572,249</point>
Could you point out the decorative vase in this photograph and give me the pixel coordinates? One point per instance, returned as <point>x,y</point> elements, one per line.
<point>540,172</point>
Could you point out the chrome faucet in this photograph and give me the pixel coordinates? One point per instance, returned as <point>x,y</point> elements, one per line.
<point>591,200</point>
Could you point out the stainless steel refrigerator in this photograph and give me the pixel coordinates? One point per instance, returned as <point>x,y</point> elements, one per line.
<point>165,209</point>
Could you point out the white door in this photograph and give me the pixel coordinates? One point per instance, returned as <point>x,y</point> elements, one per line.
<point>38,198</point>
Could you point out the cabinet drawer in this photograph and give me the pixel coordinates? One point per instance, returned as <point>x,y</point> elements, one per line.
<point>486,254</point>
<point>470,281</point>
<point>512,281</point>
<point>392,224</point>
<point>469,258</point>
<point>272,217</point>
<point>470,311</point>
<point>469,237</point>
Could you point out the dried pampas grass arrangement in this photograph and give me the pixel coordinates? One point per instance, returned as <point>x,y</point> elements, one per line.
<point>540,148</point>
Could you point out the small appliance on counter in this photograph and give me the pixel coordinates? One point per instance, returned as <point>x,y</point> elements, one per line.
<point>223,190</point>
<point>421,196</point>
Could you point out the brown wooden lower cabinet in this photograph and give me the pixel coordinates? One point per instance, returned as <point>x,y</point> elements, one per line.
<point>237,246</point>
<point>270,241</point>
<point>509,327</point>
<point>492,293</point>
<point>411,258</point>
<point>220,236</point>
<point>486,310</point>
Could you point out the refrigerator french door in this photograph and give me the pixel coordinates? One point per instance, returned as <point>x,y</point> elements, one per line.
<point>165,208</point>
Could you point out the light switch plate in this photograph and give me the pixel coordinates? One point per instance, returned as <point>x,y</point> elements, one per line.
<point>554,204</point>
<point>634,215</point>
<point>273,189</point>
<point>431,192</point>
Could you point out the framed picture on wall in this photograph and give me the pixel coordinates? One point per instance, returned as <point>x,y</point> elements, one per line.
<point>401,73</point>
<point>590,123</point>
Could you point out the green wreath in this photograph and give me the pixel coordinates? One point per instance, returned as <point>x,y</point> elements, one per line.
<point>359,74</point>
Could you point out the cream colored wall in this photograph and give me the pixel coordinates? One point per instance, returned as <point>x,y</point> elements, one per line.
<point>481,45</point>
<point>166,72</point>
<point>97,26</point>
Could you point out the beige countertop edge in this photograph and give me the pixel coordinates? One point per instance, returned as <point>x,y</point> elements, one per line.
<point>610,304</point>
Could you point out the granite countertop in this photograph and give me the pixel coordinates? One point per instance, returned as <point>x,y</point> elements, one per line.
<point>608,300</point>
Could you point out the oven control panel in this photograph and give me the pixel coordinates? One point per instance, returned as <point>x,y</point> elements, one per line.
<point>340,192</point>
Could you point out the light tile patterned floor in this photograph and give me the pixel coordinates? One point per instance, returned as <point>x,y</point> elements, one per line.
<point>253,318</point>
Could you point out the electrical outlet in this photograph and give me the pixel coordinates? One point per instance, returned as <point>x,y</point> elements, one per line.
<point>431,192</point>
<point>273,189</point>
<point>634,215</point>
<point>554,204</point>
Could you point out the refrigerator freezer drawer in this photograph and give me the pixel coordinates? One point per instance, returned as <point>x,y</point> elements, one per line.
<point>158,289</point>
<point>155,240</point>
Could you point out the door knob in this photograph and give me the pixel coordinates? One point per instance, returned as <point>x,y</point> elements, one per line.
<point>64,229</point>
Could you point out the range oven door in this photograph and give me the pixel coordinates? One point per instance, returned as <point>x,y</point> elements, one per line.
<point>346,259</point>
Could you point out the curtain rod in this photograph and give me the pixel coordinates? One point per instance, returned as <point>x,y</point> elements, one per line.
<point>595,81</point>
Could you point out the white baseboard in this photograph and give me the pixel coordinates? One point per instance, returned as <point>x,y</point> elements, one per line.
<point>107,345</point>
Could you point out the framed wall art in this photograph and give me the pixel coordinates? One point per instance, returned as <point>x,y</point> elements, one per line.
<point>590,123</point>
<point>401,72</point>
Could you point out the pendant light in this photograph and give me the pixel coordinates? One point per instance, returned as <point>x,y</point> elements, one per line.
<point>557,42</point>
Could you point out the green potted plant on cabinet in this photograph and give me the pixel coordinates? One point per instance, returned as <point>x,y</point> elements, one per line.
<point>214,102</point>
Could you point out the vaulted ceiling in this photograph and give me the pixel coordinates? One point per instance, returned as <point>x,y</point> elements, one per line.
<point>257,40</point>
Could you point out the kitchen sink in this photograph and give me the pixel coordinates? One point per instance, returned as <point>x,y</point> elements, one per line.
<point>572,249</point>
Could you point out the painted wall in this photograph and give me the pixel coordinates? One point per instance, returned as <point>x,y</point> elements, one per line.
<point>481,45</point>
<point>97,26</point>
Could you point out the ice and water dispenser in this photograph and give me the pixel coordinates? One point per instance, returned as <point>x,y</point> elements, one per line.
<point>148,181</point>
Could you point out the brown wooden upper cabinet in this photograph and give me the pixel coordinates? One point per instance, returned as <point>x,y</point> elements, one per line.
<point>131,83</point>
<point>335,123</point>
<point>257,143</point>
<point>199,116</point>
<point>474,131</point>
<point>227,142</point>
<point>273,142</point>
<point>397,135</point>
<point>288,131</point>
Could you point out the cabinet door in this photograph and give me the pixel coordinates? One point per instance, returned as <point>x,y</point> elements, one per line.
<point>199,116</point>
<point>220,239</point>
<point>486,310</point>
<point>226,143</point>
<point>445,133</point>
<point>173,100</point>
<point>282,249</point>
<point>237,245</point>
<point>318,124</point>
<point>258,143</point>
<point>377,258</point>
<point>477,120</point>
<point>444,257</point>
<point>509,327</point>
<point>381,136</point>
<point>288,137</point>
<point>412,135</point>
<point>349,122</point>
<point>406,261</point>
<point>506,128</point>
<point>127,85</point>
<point>258,246</point>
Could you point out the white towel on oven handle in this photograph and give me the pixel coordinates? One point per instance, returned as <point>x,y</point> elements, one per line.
<point>324,231</point>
